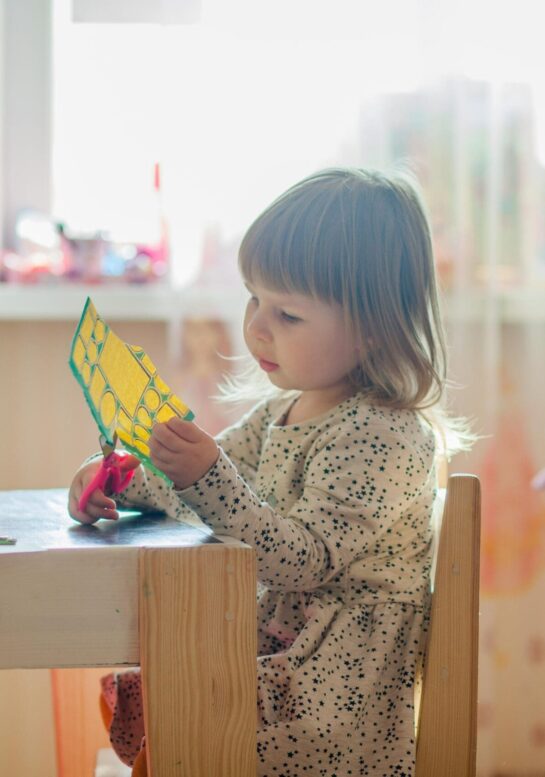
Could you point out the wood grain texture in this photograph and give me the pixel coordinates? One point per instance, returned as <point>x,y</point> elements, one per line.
<point>63,608</point>
<point>447,732</point>
<point>198,641</point>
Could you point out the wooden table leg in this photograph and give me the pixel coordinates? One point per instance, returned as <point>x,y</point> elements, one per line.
<point>198,657</point>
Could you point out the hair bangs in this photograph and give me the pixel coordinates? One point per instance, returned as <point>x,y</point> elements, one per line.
<point>295,245</point>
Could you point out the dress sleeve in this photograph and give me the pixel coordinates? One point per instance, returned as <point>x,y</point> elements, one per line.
<point>243,443</point>
<point>351,497</point>
<point>149,491</point>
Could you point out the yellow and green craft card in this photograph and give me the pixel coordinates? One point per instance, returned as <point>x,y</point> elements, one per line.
<point>121,385</point>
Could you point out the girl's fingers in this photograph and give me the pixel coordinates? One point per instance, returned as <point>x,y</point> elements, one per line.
<point>160,455</point>
<point>98,509</point>
<point>76,513</point>
<point>98,506</point>
<point>163,437</point>
<point>162,462</point>
<point>187,430</point>
<point>100,501</point>
<point>129,462</point>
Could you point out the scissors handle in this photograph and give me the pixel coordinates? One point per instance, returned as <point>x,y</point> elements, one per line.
<point>111,476</point>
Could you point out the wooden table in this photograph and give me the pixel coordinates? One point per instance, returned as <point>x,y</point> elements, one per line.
<point>147,591</point>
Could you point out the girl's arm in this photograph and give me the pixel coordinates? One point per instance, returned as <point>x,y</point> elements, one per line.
<point>242,441</point>
<point>336,519</point>
<point>145,490</point>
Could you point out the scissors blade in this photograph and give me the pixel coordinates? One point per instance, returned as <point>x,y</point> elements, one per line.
<point>107,447</point>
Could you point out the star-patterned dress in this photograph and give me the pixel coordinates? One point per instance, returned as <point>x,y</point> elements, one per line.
<point>338,509</point>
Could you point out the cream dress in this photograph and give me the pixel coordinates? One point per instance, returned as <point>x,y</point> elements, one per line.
<point>338,509</point>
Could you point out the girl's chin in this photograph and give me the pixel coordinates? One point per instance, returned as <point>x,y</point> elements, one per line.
<point>280,380</point>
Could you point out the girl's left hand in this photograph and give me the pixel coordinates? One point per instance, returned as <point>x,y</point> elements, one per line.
<point>182,450</point>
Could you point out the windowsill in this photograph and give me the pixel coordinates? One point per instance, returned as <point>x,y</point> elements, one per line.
<point>151,302</point>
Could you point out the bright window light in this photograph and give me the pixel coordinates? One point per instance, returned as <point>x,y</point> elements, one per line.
<point>239,106</point>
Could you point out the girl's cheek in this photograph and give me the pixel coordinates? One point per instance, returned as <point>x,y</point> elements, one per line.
<point>246,338</point>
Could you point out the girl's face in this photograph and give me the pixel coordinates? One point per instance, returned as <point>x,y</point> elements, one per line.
<point>300,341</point>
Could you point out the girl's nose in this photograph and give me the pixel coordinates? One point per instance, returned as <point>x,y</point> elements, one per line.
<point>257,327</point>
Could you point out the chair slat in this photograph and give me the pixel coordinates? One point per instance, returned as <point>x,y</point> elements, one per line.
<point>447,730</point>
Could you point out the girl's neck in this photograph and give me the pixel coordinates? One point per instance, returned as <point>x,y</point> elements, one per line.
<point>311,404</point>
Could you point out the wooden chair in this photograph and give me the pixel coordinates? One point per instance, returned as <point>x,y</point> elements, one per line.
<point>447,728</point>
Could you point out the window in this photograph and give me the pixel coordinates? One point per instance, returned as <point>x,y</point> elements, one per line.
<point>248,100</point>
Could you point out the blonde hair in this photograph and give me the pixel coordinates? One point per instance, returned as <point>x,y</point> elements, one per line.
<point>361,238</point>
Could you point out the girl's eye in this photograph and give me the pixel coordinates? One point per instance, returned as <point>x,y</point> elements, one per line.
<point>290,319</point>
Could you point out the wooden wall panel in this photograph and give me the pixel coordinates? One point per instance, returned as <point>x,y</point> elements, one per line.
<point>27,734</point>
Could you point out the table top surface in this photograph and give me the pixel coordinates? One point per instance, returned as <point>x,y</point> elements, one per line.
<point>39,520</point>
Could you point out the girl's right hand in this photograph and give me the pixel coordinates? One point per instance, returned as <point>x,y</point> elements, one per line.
<point>98,506</point>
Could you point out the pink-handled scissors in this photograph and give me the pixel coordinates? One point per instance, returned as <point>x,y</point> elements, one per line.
<point>114,475</point>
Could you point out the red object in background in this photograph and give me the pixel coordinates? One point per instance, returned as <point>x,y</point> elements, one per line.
<point>151,260</point>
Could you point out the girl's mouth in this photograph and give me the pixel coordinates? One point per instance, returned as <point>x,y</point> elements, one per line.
<point>267,366</point>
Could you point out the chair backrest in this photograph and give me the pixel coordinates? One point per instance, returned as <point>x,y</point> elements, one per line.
<point>447,727</point>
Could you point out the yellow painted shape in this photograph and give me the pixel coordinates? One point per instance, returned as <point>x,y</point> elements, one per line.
<point>87,327</point>
<point>97,386</point>
<point>127,379</point>
<point>92,352</point>
<point>144,417</point>
<point>79,353</point>
<point>148,364</point>
<point>100,331</point>
<point>124,436</point>
<point>161,385</point>
<point>142,447</point>
<point>164,414</point>
<point>107,409</point>
<point>124,421</point>
<point>152,399</point>
<point>178,405</point>
<point>86,373</point>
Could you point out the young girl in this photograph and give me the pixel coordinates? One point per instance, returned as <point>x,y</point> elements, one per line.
<point>331,477</point>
